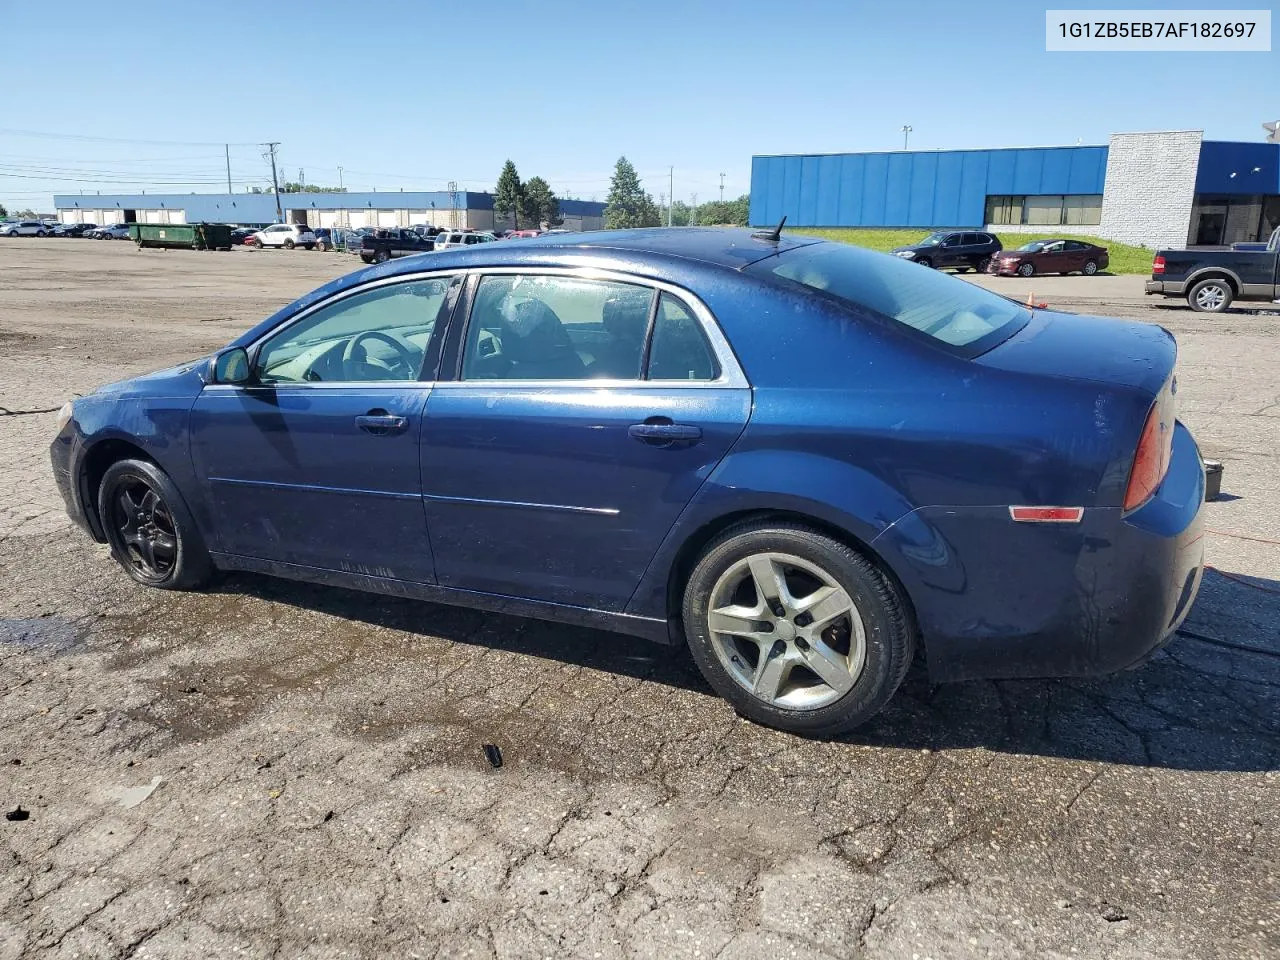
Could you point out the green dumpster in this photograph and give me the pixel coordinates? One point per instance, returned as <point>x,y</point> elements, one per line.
<point>181,236</point>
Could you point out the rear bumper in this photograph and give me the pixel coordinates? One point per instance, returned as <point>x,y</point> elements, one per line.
<point>1169,288</point>
<point>997,599</point>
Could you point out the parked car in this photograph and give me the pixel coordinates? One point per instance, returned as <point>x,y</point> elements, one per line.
<point>386,244</point>
<point>462,238</point>
<point>1212,279</point>
<point>286,235</point>
<point>1050,256</point>
<point>243,235</point>
<point>73,229</point>
<point>959,250</point>
<point>521,234</point>
<point>24,228</point>
<point>113,231</point>
<point>598,430</point>
<point>324,238</point>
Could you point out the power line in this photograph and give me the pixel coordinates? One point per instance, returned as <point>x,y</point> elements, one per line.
<point>85,138</point>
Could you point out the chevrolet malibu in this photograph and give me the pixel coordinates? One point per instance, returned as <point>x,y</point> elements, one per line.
<point>803,459</point>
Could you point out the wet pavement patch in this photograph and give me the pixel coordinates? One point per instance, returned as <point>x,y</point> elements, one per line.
<point>48,633</point>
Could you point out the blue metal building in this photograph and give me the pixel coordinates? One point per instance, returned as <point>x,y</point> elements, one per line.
<point>1200,191</point>
<point>376,209</point>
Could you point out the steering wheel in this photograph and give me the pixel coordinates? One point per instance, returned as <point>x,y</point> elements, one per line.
<point>354,353</point>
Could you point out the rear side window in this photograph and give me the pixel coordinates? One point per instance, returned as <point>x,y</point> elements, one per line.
<point>949,310</point>
<point>679,350</point>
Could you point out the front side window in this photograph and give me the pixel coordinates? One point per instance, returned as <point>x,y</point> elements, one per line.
<point>379,335</point>
<point>556,328</point>
<point>949,310</point>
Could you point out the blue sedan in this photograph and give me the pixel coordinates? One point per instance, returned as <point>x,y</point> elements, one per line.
<point>801,458</point>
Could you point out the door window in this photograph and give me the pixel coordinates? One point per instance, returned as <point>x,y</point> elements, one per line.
<point>953,240</point>
<point>379,335</point>
<point>556,328</point>
<point>679,350</point>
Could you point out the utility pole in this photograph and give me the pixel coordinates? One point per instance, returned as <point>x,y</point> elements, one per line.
<point>302,177</point>
<point>722,188</point>
<point>693,212</point>
<point>275,181</point>
<point>227,148</point>
<point>906,132</point>
<point>340,186</point>
<point>671,186</point>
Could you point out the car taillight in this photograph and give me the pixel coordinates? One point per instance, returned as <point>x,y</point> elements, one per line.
<point>1151,461</point>
<point>1157,265</point>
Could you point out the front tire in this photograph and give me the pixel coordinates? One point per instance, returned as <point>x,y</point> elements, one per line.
<point>1026,269</point>
<point>797,630</point>
<point>382,256</point>
<point>288,244</point>
<point>1210,296</point>
<point>924,261</point>
<point>151,532</point>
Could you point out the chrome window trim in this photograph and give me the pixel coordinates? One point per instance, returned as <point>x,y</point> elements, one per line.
<point>731,373</point>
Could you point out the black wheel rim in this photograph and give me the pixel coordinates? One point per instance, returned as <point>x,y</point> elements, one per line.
<point>145,528</point>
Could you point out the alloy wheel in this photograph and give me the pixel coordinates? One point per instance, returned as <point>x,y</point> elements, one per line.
<point>147,532</point>
<point>785,630</point>
<point>1210,297</point>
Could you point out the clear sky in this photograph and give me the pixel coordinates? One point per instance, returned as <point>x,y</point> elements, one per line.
<point>414,94</point>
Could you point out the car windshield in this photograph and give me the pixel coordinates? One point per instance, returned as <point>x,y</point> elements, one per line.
<point>1035,246</point>
<point>932,240</point>
<point>945,308</point>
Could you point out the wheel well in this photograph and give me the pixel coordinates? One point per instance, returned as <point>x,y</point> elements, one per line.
<point>692,548</point>
<point>1215,275</point>
<point>96,462</point>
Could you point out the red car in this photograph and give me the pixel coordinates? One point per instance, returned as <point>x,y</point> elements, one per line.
<point>1050,256</point>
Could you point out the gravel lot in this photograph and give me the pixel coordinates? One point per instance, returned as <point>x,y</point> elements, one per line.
<point>321,789</point>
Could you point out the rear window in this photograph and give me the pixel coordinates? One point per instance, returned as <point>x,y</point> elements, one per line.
<point>947,309</point>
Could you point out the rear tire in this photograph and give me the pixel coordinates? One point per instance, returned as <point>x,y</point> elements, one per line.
<point>1090,268</point>
<point>983,264</point>
<point>151,532</point>
<point>1210,296</point>
<point>818,677</point>
<point>256,242</point>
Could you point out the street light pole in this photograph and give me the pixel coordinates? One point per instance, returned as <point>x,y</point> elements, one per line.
<point>722,188</point>
<point>906,132</point>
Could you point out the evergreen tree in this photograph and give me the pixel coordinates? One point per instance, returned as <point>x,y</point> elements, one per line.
<point>508,196</point>
<point>628,205</point>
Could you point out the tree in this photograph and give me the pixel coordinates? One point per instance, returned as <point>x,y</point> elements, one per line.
<point>628,205</point>
<point>508,195</point>
<point>539,203</point>
<point>27,214</point>
<point>3,211</point>
<point>725,211</point>
<point>294,187</point>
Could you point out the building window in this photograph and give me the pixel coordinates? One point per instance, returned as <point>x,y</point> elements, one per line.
<point>1051,210</point>
<point>1221,219</point>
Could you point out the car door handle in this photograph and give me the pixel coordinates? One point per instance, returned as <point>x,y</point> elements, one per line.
<point>381,424</point>
<point>660,430</point>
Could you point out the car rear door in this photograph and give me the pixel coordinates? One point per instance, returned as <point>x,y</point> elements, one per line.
<point>584,414</point>
<point>315,463</point>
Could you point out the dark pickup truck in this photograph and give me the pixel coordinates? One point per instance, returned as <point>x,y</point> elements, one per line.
<point>382,245</point>
<point>1211,279</point>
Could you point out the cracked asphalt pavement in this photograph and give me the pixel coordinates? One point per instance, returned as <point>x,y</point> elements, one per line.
<point>315,783</point>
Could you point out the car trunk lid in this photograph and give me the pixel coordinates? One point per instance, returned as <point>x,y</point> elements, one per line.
<point>1103,349</point>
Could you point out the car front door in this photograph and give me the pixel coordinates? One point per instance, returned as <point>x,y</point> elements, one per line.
<point>584,415</point>
<point>950,253</point>
<point>1054,258</point>
<point>315,461</point>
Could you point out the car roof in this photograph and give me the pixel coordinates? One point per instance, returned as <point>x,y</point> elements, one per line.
<point>725,247</point>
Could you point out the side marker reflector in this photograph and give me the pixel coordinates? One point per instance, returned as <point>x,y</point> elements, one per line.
<point>1047,514</point>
